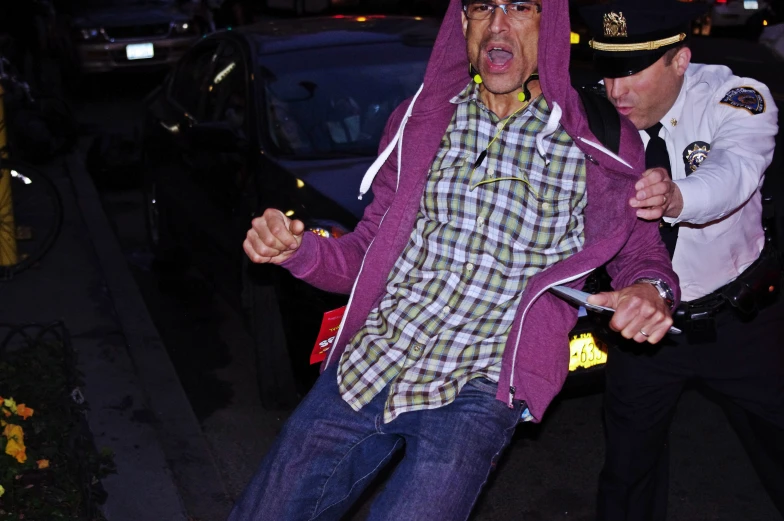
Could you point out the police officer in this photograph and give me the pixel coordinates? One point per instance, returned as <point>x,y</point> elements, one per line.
<point>709,136</point>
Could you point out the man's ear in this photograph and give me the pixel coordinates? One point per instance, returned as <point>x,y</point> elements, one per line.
<point>681,60</point>
<point>465,23</point>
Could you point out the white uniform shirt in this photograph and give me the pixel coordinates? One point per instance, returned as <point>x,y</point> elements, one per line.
<point>720,231</point>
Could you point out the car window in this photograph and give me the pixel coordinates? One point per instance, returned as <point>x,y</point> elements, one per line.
<point>226,97</point>
<point>192,78</point>
<point>336,101</point>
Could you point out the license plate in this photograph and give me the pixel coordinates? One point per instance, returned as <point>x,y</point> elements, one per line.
<point>139,51</point>
<point>586,351</point>
<point>750,4</point>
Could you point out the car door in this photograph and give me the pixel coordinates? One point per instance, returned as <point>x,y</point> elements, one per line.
<point>219,149</point>
<point>170,112</point>
<point>210,171</point>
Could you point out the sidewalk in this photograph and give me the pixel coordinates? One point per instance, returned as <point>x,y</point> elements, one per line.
<point>165,470</point>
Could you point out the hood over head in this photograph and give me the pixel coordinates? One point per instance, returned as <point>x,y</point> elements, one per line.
<point>447,72</point>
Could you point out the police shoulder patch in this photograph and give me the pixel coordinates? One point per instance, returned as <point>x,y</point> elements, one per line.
<point>745,98</point>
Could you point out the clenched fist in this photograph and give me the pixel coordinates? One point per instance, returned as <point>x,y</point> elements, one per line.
<point>640,313</point>
<point>273,237</point>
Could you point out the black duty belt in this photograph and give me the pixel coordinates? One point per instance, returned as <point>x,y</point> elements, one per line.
<point>754,289</point>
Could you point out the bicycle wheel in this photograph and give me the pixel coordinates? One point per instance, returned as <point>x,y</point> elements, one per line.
<point>37,217</point>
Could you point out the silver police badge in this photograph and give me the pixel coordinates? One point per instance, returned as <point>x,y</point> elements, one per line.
<point>694,154</point>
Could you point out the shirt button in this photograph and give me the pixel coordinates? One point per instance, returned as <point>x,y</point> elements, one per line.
<point>445,311</point>
<point>545,205</point>
<point>480,223</point>
<point>499,125</point>
<point>417,348</point>
<point>469,267</point>
<point>491,172</point>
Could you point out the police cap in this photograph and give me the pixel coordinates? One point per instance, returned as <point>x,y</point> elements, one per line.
<point>629,36</point>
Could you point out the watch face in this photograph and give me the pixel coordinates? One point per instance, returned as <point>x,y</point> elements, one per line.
<point>663,288</point>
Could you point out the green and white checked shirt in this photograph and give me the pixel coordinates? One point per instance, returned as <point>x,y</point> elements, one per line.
<point>453,293</point>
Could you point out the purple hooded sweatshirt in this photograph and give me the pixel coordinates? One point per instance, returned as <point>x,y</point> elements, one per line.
<point>536,357</point>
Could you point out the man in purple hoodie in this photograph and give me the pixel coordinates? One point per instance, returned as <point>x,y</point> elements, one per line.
<point>496,192</point>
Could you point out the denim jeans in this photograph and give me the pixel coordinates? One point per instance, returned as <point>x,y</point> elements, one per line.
<point>327,453</point>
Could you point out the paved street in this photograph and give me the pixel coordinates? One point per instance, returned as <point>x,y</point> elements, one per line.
<point>550,471</point>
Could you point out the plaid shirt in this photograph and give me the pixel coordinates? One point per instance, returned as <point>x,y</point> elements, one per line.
<point>452,295</point>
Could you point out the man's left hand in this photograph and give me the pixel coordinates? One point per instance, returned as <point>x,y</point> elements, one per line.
<point>640,312</point>
<point>656,196</point>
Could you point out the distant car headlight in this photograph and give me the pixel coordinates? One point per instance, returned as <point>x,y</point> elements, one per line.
<point>184,27</point>
<point>91,34</point>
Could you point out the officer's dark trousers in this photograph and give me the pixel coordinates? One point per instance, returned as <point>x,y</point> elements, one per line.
<point>745,366</point>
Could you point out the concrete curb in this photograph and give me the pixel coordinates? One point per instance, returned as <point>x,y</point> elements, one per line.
<point>186,450</point>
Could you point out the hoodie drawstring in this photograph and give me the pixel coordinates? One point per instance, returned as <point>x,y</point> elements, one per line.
<point>552,124</point>
<point>367,179</point>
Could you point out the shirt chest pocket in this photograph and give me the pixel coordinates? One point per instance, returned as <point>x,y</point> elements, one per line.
<point>447,196</point>
<point>547,206</point>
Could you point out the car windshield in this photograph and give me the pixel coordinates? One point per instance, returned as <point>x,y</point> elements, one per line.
<point>98,4</point>
<point>335,102</point>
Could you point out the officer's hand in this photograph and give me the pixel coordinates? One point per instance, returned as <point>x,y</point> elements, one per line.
<point>273,237</point>
<point>656,196</point>
<point>640,312</point>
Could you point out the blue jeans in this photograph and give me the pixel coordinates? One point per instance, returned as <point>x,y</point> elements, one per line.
<point>327,453</point>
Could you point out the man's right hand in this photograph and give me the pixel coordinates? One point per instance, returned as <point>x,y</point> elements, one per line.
<point>273,237</point>
<point>657,195</point>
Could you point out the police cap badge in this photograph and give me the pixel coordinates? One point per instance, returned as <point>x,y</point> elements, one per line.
<point>630,35</point>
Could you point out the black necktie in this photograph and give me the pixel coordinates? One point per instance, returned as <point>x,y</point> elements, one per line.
<point>656,156</point>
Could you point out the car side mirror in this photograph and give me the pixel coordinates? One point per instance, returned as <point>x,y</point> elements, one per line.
<point>217,136</point>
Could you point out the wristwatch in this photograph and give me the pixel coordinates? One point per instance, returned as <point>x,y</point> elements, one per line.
<point>663,288</point>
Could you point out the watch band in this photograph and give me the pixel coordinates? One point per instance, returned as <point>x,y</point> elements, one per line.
<point>663,288</point>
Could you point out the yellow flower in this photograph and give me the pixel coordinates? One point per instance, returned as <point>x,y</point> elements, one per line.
<point>10,403</point>
<point>15,446</point>
<point>43,463</point>
<point>24,411</point>
<point>16,450</point>
<point>13,431</point>
<point>2,491</point>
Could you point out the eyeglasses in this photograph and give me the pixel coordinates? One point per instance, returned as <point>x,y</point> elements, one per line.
<point>514,10</point>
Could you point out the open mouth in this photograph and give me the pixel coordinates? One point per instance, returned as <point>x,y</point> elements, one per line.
<point>499,57</point>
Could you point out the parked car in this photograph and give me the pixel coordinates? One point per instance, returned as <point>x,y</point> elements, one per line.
<point>435,8</point>
<point>298,7</point>
<point>99,36</point>
<point>744,18</point>
<point>287,114</point>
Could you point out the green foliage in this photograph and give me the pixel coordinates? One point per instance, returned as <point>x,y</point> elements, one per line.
<point>40,372</point>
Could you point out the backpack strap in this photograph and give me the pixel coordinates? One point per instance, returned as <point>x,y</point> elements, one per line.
<point>605,124</point>
<point>603,119</point>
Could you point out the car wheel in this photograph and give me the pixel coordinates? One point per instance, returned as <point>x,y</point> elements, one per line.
<point>277,386</point>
